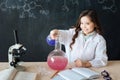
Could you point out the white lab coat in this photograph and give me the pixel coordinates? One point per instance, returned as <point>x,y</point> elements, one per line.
<point>92,50</point>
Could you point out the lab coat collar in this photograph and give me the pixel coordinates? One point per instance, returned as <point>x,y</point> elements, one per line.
<point>90,34</point>
<point>86,37</point>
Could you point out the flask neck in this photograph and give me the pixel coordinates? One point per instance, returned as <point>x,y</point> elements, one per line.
<point>57,44</point>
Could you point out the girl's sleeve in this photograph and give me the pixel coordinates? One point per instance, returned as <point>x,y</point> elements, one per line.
<point>101,58</point>
<point>65,35</point>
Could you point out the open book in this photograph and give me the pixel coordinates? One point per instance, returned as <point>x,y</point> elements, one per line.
<point>77,74</point>
<point>13,74</point>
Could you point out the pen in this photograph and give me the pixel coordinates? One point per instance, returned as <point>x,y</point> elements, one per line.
<point>54,74</point>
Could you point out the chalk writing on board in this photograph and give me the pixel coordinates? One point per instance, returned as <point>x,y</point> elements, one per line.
<point>25,7</point>
<point>30,8</point>
<point>66,8</point>
<point>75,2</point>
<point>108,5</point>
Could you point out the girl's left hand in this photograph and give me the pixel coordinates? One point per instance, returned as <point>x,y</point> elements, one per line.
<point>78,63</point>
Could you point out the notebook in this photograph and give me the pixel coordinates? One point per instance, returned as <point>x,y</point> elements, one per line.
<point>77,74</point>
<point>13,74</point>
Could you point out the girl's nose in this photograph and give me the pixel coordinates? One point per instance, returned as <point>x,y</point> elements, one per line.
<point>84,26</point>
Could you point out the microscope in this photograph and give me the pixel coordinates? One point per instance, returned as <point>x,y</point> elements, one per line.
<point>15,52</point>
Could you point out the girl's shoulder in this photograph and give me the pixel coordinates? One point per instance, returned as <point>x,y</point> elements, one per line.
<point>99,38</point>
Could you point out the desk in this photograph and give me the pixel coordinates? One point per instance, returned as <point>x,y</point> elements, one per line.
<point>44,72</point>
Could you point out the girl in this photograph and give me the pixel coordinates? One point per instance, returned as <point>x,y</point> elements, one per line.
<point>84,44</point>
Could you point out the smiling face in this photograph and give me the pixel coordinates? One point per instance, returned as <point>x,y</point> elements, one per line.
<point>86,25</point>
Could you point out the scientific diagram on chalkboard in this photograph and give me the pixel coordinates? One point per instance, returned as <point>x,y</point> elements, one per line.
<point>32,8</point>
<point>25,7</point>
<point>108,5</point>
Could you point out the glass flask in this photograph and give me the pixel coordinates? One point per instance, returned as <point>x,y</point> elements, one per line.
<point>56,58</point>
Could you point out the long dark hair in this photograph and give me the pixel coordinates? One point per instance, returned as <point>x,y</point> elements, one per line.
<point>94,18</point>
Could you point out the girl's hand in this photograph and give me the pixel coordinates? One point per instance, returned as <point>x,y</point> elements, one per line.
<point>54,34</point>
<point>79,63</point>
